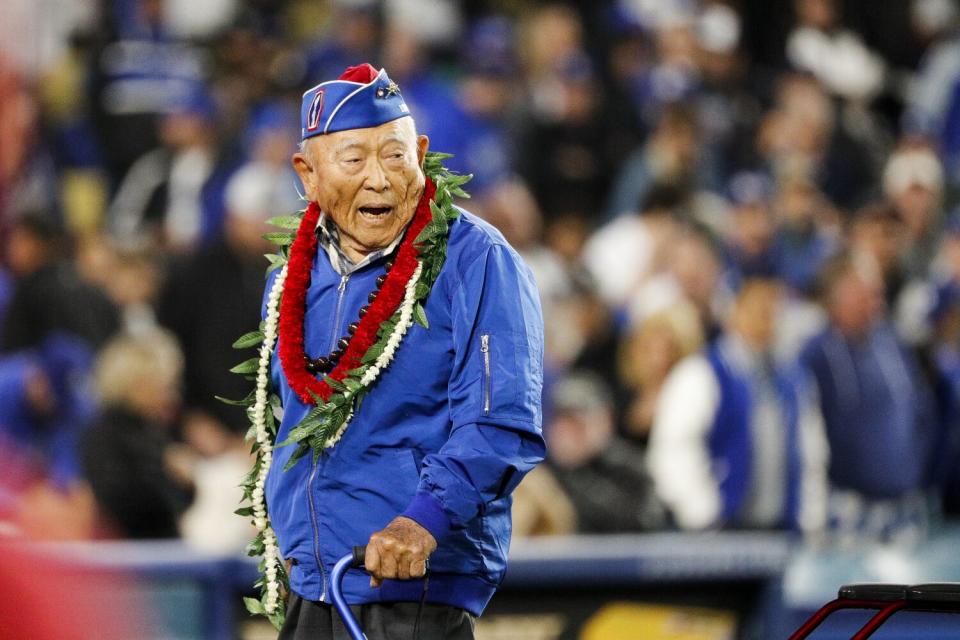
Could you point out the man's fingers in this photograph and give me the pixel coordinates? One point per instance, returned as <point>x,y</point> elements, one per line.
<point>371,558</point>
<point>403,566</point>
<point>371,562</point>
<point>414,562</point>
<point>388,561</point>
<point>418,568</point>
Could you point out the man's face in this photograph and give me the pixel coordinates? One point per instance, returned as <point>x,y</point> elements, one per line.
<point>755,313</point>
<point>856,302</point>
<point>368,181</point>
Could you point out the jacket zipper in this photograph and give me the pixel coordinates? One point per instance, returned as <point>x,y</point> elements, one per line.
<point>485,350</point>
<point>316,532</point>
<point>341,289</point>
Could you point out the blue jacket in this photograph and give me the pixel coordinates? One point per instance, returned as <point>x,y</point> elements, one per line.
<point>444,436</point>
<point>731,440</point>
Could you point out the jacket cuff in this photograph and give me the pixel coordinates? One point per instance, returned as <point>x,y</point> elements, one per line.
<point>425,510</point>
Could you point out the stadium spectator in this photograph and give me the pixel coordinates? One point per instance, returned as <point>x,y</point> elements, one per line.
<point>943,352</point>
<point>806,232</point>
<point>227,276</point>
<point>877,235</point>
<point>736,440</point>
<point>585,334</point>
<point>140,484</point>
<point>647,355</point>
<point>483,103</point>
<point>913,183</point>
<point>541,506</point>
<point>27,179</point>
<point>562,148</point>
<point>510,206</point>
<point>49,295</point>
<point>625,252</point>
<point>602,474</point>
<point>877,409</point>
<point>749,245</point>
<point>45,405</point>
<point>133,282</point>
<point>430,96</point>
<point>692,273</point>
<point>350,34</point>
<point>802,130</point>
<point>174,194</point>
<point>671,155</point>
<point>266,185</point>
<point>136,70</point>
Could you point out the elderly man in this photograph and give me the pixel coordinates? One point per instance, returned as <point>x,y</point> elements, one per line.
<point>450,419</point>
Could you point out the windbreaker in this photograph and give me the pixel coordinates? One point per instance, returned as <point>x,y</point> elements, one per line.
<point>444,436</point>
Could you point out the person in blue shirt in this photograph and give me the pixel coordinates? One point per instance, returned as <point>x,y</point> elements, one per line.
<point>427,464</point>
<point>45,405</point>
<point>878,410</point>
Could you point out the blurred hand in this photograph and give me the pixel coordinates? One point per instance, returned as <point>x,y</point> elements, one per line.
<point>39,393</point>
<point>207,435</point>
<point>180,461</point>
<point>398,552</point>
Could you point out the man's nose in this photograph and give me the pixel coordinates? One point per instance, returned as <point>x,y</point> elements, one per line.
<point>376,179</point>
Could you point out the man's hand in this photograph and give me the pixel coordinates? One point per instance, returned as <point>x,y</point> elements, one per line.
<point>399,551</point>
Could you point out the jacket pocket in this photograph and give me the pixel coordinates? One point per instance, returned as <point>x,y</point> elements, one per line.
<point>487,383</point>
<point>501,381</point>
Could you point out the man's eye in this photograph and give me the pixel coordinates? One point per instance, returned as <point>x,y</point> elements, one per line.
<point>352,160</point>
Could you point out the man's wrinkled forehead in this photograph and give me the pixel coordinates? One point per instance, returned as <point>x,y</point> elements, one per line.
<point>401,131</point>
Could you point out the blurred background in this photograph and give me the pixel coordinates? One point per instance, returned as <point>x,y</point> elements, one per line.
<point>742,216</point>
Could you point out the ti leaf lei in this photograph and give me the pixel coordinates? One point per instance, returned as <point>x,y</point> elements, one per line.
<point>341,391</point>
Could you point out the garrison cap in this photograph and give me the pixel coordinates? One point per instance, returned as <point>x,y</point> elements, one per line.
<point>361,97</point>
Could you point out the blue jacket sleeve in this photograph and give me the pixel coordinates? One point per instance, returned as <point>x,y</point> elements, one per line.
<point>494,395</point>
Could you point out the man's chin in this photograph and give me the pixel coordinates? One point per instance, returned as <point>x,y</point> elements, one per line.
<point>375,237</point>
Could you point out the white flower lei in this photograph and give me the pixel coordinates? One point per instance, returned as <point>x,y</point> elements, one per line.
<point>260,518</point>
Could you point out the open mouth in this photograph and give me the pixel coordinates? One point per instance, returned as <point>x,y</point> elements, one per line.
<point>375,212</point>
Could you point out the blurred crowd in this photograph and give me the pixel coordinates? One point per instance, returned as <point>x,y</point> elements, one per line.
<point>742,216</point>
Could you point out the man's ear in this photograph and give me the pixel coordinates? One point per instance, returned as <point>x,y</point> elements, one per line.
<point>306,172</point>
<point>423,143</point>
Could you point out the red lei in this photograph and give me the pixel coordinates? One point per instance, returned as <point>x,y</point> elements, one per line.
<point>293,303</point>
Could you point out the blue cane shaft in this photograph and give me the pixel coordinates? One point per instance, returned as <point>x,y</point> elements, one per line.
<point>339,602</point>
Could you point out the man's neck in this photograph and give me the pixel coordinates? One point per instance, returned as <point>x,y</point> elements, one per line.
<point>352,251</point>
<point>344,249</point>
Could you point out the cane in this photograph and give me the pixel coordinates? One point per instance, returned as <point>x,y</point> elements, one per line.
<point>350,561</point>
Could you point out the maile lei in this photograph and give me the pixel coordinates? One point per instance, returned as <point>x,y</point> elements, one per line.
<point>371,348</point>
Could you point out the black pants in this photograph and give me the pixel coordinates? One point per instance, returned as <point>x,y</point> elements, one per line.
<point>308,620</point>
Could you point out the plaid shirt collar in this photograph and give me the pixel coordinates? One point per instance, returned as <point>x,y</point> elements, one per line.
<point>328,236</point>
